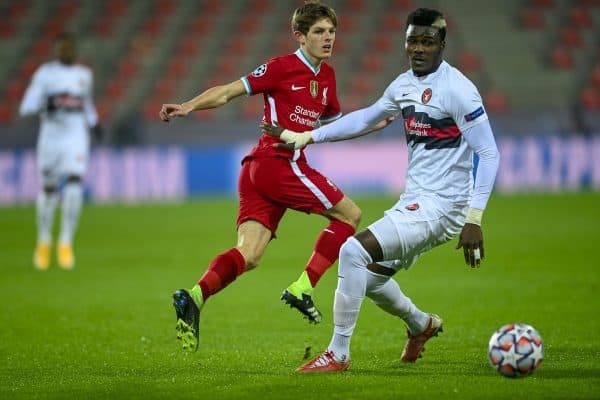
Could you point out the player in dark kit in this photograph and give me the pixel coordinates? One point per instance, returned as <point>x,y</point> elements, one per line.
<point>299,91</point>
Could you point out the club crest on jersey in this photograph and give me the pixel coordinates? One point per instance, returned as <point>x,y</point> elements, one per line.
<point>412,207</point>
<point>324,100</point>
<point>314,88</point>
<point>260,70</point>
<point>426,96</point>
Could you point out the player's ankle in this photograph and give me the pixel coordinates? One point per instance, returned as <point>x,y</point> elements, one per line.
<point>302,285</point>
<point>196,294</point>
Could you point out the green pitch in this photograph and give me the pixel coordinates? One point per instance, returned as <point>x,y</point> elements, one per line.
<point>106,329</point>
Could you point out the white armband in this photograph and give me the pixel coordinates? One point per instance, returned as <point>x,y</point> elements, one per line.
<point>300,140</point>
<point>474,216</point>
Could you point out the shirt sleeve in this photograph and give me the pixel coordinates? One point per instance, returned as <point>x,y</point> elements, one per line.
<point>91,115</point>
<point>264,78</point>
<point>481,139</point>
<point>464,103</point>
<point>352,124</point>
<point>34,95</point>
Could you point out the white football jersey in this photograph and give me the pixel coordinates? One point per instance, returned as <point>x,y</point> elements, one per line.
<point>63,142</point>
<point>71,87</point>
<point>436,108</point>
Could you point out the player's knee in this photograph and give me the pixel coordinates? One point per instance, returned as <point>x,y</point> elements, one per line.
<point>252,261</point>
<point>353,215</point>
<point>350,248</point>
<point>356,216</point>
<point>352,253</point>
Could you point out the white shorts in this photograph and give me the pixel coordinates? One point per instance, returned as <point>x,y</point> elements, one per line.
<point>62,155</point>
<point>415,225</point>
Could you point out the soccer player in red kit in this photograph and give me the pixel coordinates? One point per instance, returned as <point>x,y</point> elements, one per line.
<point>299,91</point>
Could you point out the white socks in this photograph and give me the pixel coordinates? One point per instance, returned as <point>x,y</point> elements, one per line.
<point>71,208</point>
<point>386,294</point>
<point>350,292</point>
<point>45,207</point>
<point>354,282</point>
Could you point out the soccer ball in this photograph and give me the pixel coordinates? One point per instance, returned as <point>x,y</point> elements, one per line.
<point>516,350</point>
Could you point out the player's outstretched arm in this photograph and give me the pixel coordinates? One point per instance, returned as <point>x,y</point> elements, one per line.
<point>355,124</point>
<point>378,126</point>
<point>211,98</point>
<point>296,140</point>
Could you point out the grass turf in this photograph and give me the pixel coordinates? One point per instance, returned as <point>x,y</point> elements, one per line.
<point>106,329</point>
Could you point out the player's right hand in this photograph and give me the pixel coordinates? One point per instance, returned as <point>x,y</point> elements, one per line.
<point>293,140</point>
<point>169,111</point>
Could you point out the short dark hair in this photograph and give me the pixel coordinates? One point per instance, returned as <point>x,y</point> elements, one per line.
<point>305,16</point>
<point>428,17</point>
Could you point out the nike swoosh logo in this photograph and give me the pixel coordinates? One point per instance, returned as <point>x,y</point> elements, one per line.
<point>405,94</point>
<point>294,87</point>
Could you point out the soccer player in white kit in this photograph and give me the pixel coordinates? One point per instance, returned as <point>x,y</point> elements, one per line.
<point>445,123</point>
<point>61,93</point>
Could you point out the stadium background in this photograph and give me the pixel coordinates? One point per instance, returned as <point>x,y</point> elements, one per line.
<point>536,63</point>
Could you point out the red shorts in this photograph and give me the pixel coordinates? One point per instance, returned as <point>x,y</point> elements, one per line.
<point>269,186</point>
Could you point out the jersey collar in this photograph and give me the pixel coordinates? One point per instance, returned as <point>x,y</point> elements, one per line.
<point>428,78</point>
<point>300,54</point>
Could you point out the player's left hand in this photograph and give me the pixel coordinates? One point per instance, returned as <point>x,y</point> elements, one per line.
<point>471,240</point>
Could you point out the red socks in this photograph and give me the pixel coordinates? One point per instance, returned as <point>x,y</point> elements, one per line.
<point>327,249</point>
<point>226,267</point>
<point>223,270</point>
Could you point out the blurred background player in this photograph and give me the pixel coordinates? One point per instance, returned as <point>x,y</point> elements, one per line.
<point>299,91</point>
<point>445,123</point>
<point>61,93</point>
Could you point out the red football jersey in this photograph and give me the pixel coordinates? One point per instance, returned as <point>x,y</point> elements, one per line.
<point>296,96</point>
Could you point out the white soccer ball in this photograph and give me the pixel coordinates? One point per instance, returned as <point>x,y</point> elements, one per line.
<point>516,350</point>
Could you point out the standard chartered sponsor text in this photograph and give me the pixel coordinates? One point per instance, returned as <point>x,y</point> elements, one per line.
<point>304,116</point>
